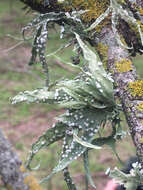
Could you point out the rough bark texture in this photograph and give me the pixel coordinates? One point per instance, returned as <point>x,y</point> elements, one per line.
<point>139,3</point>
<point>10,164</point>
<point>122,79</point>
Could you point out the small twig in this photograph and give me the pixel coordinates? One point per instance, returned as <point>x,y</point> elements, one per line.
<point>13,47</point>
<point>65,67</point>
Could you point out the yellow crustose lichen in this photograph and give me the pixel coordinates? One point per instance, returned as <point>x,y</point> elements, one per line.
<point>136,88</point>
<point>140,106</point>
<point>124,65</point>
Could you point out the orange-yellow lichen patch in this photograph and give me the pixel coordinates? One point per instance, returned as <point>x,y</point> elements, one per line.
<point>22,168</point>
<point>141,11</point>
<point>30,180</point>
<point>124,65</point>
<point>140,106</point>
<point>32,183</point>
<point>136,88</point>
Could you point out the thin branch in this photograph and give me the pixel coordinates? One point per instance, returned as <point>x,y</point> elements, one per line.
<point>13,47</point>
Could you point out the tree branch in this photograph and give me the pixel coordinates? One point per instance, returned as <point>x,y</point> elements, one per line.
<point>10,164</point>
<point>124,74</point>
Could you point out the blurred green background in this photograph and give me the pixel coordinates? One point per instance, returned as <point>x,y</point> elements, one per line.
<point>23,123</point>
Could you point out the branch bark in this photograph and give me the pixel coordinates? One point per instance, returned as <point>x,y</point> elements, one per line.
<point>122,79</point>
<point>10,164</point>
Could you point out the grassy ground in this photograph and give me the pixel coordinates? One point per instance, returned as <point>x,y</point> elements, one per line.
<point>23,123</point>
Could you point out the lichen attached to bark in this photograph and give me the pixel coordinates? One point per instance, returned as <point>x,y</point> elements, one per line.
<point>136,88</point>
<point>124,65</point>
